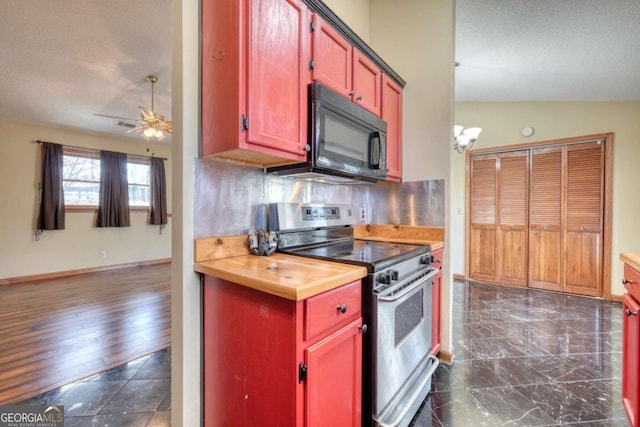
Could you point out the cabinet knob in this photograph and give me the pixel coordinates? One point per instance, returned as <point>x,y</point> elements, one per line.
<point>363,328</point>
<point>359,98</point>
<point>581,228</point>
<point>342,308</point>
<point>625,281</point>
<point>630,313</point>
<point>353,92</point>
<point>307,148</point>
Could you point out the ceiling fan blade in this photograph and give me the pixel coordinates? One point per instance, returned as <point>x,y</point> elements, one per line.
<point>117,117</point>
<point>138,128</point>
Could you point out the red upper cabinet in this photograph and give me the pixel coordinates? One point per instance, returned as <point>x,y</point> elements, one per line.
<point>332,57</point>
<point>254,80</point>
<point>367,83</point>
<point>337,64</point>
<point>392,114</point>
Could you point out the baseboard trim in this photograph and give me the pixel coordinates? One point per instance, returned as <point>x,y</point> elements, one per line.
<point>57,274</point>
<point>459,277</point>
<point>446,356</point>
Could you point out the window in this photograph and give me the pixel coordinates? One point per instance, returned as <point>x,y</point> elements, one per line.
<point>81,178</point>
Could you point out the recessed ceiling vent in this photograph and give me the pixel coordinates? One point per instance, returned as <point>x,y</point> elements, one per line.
<point>125,124</point>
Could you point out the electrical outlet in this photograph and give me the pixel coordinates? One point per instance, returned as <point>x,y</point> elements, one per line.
<point>103,254</point>
<point>363,215</point>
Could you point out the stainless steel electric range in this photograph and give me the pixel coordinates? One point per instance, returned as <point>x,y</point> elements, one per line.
<point>396,304</point>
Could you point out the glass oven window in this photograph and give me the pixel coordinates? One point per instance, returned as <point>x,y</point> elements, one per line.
<point>409,315</point>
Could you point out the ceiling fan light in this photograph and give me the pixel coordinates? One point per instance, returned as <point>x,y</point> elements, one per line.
<point>149,132</point>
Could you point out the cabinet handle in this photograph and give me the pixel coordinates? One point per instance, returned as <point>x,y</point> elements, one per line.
<point>359,98</point>
<point>630,313</point>
<point>363,328</point>
<point>625,281</point>
<point>342,308</point>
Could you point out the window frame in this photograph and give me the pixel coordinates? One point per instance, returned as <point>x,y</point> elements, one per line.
<point>95,154</point>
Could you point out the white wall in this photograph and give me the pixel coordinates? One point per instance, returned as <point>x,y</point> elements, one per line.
<point>502,122</point>
<point>186,322</point>
<point>80,244</point>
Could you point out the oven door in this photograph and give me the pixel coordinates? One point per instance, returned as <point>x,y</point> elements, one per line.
<point>403,340</point>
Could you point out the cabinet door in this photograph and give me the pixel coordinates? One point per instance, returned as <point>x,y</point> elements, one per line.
<point>630,358</point>
<point>334,381</point>
<point>513,197</point>
<point>391,113</point>
<point>367,83</point>
<point>277,77</point>
<point>483,230</point>
<point>545,219</point>
<point>332,57</point>
<point>436,305</point>
<point>583,230</point>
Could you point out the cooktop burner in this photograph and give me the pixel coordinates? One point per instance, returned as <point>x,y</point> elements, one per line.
<point>372,254</point>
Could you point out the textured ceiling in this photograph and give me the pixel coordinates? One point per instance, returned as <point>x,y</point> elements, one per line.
<point>548,50</point>
<point>63,60</point>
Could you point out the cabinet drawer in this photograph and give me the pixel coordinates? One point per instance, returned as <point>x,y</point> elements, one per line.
<point>437,258</point>
<point>631,281</point>
<point>332,309</point>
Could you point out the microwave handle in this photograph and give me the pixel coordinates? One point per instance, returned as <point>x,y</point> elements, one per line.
<point>374,150</point>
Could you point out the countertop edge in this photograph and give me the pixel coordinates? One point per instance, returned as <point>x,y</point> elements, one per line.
<point>632,259</point>
<point>331,281</point>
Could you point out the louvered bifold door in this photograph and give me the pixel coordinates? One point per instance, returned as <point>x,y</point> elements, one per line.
<point>583,226</point>
<point>483,228</point>
<point>545,218</point>
<point>513,197</point>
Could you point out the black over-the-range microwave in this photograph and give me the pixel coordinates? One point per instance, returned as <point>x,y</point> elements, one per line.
<point>345,141</point>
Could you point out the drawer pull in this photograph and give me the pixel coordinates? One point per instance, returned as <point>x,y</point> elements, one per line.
<point>625,281</point>
<point>342,308</point>
<point>630,313</point>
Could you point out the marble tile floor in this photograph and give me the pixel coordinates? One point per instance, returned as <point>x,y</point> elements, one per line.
<point>528,358</point>
<point>136,394</point>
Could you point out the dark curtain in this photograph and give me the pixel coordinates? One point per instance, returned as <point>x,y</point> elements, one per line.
<point>158,214</point>
<point>113,210</point>
<point>51,215</point>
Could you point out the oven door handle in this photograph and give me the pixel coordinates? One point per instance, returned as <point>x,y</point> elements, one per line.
<point>384,298</point>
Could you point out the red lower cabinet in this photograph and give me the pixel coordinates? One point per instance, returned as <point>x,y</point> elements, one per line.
<point>630,358</point>
<point>273,361</point>
<point>436,307</point>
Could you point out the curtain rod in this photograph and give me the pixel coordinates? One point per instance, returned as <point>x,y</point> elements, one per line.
<point>38,141</point>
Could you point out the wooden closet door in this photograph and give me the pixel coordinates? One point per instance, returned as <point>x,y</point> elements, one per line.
<point>513,197</point>
<point>545,218</point>
<point>483,228</point>
<point>583,226</point>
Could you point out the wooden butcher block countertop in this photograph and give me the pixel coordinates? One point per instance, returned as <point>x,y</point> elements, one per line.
<point>417,235</point>
<point>288,276</point>
<point>295,277</point>
<point>632,259</point>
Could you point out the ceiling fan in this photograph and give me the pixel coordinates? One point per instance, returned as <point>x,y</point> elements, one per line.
<point>152,125</point>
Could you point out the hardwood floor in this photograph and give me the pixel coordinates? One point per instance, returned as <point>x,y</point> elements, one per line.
<point>54,332</point>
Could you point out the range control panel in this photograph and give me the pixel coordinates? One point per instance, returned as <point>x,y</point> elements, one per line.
<point>304,216</point>
<point>312,213</point>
